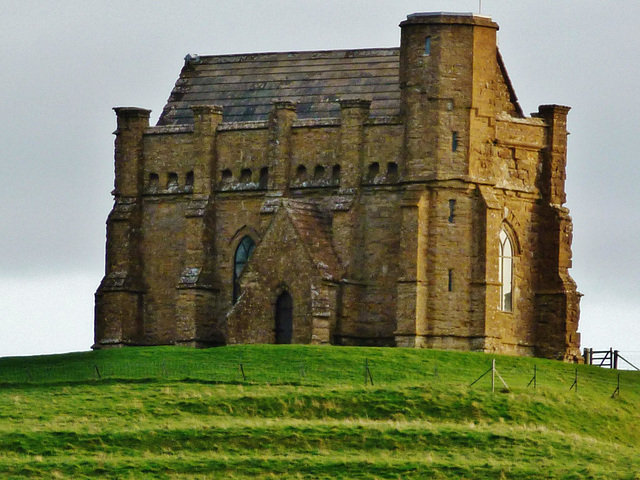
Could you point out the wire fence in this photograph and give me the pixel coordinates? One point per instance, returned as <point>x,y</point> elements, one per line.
<point>312,370</point>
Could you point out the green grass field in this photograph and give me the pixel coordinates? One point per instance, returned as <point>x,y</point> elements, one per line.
<point>304,412</point>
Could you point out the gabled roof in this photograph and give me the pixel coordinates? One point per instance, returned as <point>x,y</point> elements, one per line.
<point>513,98</point>
<point>248,85</point>
<point>314,227</point>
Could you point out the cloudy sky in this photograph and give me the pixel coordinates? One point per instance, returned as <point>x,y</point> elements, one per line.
<point>64,65</point>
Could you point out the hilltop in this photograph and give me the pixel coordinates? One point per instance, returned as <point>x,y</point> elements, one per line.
<point>268,411</point>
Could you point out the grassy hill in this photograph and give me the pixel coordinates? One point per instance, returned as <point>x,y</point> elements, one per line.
<point>305,412</point>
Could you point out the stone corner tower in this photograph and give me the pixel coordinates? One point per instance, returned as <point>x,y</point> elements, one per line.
<point>383,196</point>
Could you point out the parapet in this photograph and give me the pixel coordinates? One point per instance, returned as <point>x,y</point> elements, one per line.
<point>449,18</point>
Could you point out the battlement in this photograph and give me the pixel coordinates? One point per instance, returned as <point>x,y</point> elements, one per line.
<point>383,196</point>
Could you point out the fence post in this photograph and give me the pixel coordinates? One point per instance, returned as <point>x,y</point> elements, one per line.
<point>615,359</point>
<point>534,380</point>
<point>367,373</point>
<point>587,355</point>
<point>610,357</point>
<point>493,375</point>
<point>575,382</point>
<point>617,390</point>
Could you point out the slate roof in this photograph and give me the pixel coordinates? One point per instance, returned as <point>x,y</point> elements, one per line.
<point>248,85</point>
<point>314,228</point>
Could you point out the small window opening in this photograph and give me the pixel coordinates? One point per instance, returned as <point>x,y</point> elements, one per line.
<point>245,175</point>
<point>172,182</point>
<point>452,207</point>
<point>374,170</point>
<point>335,175</point>
<point>450,280</point>
<point>264,177</point>
<point>188,183</point>
<point>427,46</point>
<point>301,173</point>
<point>318,173</point>
<point>454,141</point>
<point>154,180</point>
<point>392,172</point>
<point>227,176</point>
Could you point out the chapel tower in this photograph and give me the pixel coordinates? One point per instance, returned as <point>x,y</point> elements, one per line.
<point>385,196</point>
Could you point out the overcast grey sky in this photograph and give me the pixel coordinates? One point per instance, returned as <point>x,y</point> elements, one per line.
<point>64,65</point>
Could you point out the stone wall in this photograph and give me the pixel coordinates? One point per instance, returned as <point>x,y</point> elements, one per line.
<point>384,230</point>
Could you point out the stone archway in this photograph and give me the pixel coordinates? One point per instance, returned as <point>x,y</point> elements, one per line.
<point>284,318</point>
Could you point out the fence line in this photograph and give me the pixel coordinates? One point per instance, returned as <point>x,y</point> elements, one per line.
<point>296,370</point>
<point>606,358</point>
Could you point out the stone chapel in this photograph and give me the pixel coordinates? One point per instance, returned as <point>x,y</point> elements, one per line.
<point>385,196</point>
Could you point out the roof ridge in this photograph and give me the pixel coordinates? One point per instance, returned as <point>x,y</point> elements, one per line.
<point>388,50</point>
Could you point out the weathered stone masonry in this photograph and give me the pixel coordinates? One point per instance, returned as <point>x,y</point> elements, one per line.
<point>356,197</point>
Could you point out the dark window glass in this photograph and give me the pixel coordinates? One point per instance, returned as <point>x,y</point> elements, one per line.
<point>452,207</point>
<point>243,253</point>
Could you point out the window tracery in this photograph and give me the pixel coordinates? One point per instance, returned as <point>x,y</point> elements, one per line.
<point>505,266</point>
<point>242,256</point>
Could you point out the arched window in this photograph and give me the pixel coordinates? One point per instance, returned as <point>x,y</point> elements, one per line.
<point>318,173</point>
<point>392,172</point>
<point>301,173</point>
<point>154,179</point>
<point>172,182</point>
<point>264,178</point>
<point>335,175</point>
<point>227,176</point>
<point>245,175</point>
<point>188,182</point>
<point>374,170</point>
<point>506,272</point>
<point>242,256</point>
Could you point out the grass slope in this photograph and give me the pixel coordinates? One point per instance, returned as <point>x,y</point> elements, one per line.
<point>304,412</point>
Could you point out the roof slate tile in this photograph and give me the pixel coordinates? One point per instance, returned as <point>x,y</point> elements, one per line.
<point>246,86</point>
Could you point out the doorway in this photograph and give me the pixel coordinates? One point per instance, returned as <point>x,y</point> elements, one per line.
<point>284,318</point>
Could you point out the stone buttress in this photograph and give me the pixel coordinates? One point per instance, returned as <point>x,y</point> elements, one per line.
<point>391,197</point>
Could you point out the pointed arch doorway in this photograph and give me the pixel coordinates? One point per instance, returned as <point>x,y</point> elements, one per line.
<point>284,318</point>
